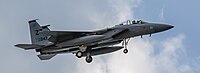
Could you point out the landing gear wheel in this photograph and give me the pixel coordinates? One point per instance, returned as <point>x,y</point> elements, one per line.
<point>79,54</point>
<point>125,51</point>
<point>88,59</point>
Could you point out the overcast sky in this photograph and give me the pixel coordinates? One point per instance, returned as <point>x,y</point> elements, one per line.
<point>173,51</point>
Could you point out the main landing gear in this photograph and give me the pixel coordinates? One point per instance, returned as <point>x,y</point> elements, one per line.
<point>125,43</point>
<point>84,49</point>
<point>79,54</point>
<point>88,58</point>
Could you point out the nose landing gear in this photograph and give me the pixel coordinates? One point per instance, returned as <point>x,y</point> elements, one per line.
<point>125,51</point>
<point>125,43</point>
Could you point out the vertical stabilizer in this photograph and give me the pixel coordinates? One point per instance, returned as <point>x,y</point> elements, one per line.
<point>37,38</point>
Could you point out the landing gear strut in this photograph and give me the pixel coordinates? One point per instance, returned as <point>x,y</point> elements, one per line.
<point>125,43</point>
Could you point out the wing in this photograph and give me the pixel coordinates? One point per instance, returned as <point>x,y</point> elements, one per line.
<point>59,36</point>
<point>28,46</point>
<point>63,33</point>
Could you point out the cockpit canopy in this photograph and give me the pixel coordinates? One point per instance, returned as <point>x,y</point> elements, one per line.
<point>128,22</point>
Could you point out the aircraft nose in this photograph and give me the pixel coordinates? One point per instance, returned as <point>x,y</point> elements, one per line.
<point>170,26</point>
<point>166,27</point>
<point>163,27</point>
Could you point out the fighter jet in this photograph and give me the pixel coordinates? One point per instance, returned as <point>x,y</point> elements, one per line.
<point>87,43</point>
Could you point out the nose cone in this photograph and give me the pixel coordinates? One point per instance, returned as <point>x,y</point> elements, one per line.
<point>163,27</point>
<point>166,27</point>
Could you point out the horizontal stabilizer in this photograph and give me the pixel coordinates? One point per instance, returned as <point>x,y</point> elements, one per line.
<point>46,56</point>
<point>28,46</point>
